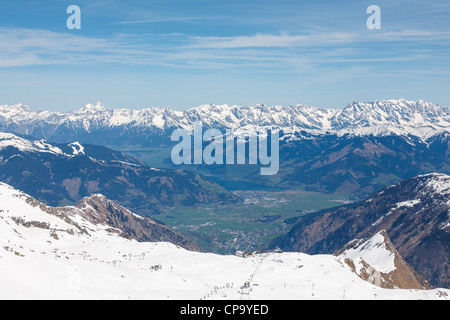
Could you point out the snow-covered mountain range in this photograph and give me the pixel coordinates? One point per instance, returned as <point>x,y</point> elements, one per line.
<point>401,117</point>
<point>74,253</point>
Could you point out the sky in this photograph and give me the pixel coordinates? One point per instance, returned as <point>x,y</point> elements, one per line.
<point>185,53</point>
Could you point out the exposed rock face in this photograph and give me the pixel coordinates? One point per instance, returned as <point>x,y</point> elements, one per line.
<point>88,217</point>
<point>100,210</point>
<point>414,213</point>
<point>377,261</point>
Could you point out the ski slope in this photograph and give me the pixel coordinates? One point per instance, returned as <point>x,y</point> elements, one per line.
<point>54,253</point>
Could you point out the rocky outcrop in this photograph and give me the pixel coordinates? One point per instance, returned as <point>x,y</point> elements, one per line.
<point>100,210</point>
<point>89,216</point>
<point>376,260</point>
<point>414,213</point>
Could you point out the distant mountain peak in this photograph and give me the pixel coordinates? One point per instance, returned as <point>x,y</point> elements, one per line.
<point>380,118</point>
<point>6,110</point>
<point>98,107</point>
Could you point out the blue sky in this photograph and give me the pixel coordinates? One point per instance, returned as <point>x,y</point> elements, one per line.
<point>184,53</point>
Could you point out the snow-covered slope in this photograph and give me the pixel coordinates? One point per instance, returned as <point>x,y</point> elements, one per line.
<point>27,145</point>
<point>402,117</point>
<point>11,140</point>
<point>415,213</point>
<point>377,261</point>
<point>49,253</point>
<point>374,252</point>
<point>94,217</point>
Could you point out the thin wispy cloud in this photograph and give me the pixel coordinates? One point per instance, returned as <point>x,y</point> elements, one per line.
<point>22,46</point>
<point>324,39</point>
<point>223,51</point>
<point>180,19</point>
<point>273,41</point>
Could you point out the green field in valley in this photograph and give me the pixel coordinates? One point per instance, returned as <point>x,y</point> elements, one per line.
<point>250,225</point>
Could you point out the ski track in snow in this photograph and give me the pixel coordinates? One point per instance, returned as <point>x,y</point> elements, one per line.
<point>34,264</point>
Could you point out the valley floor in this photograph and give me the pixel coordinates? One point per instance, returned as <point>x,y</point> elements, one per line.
<point>250,225</point>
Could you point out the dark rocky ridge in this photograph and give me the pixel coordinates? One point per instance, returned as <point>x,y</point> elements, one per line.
<point>104,213</point>
<point>62,178</point>
<point>100,210</point>
<point>414,213</point>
